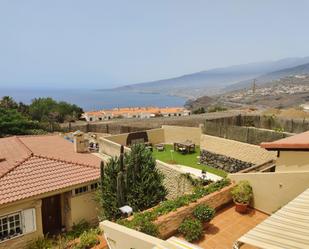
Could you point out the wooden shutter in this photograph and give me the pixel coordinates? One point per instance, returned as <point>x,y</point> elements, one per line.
<point>28,220</point>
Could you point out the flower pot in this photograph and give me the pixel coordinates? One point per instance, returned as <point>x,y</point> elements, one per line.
<point>241,207</point>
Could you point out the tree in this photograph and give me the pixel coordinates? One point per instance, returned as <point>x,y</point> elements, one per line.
<point>8,102</point>
<point>14,123</point>
<point>51,111</point>
<point>143,183</point>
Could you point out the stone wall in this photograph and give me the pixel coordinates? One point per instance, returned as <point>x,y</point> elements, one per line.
<point>174,180</point>
<point>169,223</point>
<point>225,163</point>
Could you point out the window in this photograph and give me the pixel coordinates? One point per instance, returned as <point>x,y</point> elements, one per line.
<point>10,226</point>
<point>85,189</point>
<point>80,190</point>
<point>94,186</point>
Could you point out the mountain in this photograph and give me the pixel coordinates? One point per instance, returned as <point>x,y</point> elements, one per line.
<point>213,81</point>
<point>269,77</point>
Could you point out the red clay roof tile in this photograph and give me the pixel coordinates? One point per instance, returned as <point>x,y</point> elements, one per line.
<point>29,167</point>
<point>299,141</point>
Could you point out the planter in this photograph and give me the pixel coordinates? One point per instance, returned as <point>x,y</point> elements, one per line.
<point>205,225</point>
<point>241,207</point>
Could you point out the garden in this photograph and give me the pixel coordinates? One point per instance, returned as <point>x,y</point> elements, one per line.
<point>168,155</point>
<point>133,180</point>
<point>82,236</point>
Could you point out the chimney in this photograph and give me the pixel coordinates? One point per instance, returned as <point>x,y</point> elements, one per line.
<point>80,143</point>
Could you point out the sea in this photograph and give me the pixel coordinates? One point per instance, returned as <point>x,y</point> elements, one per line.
<point>95,99</point>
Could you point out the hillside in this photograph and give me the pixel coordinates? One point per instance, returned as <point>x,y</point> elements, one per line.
<point>287,92</point>
<point>273,76</point>
<point>211,82</point>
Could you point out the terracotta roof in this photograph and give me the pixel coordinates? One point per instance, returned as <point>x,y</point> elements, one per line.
<point>33,165</point>
<point>299,141</point>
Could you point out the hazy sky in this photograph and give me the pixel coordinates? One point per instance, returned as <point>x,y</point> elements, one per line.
<point>100,43</point>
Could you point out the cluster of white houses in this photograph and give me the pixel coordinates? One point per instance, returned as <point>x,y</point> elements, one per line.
<point>135,112</point>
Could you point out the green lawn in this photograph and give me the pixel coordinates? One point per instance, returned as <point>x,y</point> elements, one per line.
<point>188,159</point>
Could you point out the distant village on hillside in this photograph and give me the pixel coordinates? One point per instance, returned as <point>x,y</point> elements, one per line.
<point>135,112</point>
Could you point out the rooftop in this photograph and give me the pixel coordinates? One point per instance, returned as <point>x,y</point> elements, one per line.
<point>296,142</point>
<point>32,165</point>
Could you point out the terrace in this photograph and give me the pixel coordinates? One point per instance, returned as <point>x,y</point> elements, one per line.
<point>168,155</point>
<point>227,226</point>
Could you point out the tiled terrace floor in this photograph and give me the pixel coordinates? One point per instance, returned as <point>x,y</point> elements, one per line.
<point>227,226</point>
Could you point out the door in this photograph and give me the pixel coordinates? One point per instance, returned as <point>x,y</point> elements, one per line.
<point>51,215</point>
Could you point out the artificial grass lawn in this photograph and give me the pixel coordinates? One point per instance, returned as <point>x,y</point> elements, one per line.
<point>184,159</point>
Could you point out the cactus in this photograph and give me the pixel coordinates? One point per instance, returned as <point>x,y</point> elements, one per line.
<point>121,180</point>
<point>102,175</point>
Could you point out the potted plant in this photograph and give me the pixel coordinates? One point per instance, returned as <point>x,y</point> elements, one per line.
<point>242,195</point>
<point>192,229</point>
<point>204,214</point>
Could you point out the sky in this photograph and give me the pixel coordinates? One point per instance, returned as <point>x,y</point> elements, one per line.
<point>102,44</point>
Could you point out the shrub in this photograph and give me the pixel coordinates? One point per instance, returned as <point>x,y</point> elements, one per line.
<point>145,183</point>
<point>40,243</point>
<point>88,239</point>
<point>191,229</point>
<point>149,228</point>
<point>171,205</point>
<point>242,192</point>
<point>204,213</point>
<point>78,229</point>
<point>217,109</point>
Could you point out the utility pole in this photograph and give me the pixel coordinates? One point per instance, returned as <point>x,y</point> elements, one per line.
<point>254,86</point>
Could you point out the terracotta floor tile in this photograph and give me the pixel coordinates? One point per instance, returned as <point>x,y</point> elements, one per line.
<point>227,226</point>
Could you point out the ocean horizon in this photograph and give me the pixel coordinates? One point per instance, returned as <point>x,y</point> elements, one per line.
<point>94,99</point>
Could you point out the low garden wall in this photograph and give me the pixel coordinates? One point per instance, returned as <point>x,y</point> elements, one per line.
<point>110,148</point>
<point>168,224</point>
<point>174,180</point>
<point>223,162</point>
<point>164,219</point>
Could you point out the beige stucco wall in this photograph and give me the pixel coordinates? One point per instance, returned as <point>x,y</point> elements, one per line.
<point>120,237</point>
<point>293,161</point>
<point>156,136</point>
<point>174,180</point>
<point>23,240</point>
<point>110,148</point>
<point>179,134</point>
<point>84,207</point>
<point>119,139</point>
<point>238,150</point>
<point>273,190</point>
